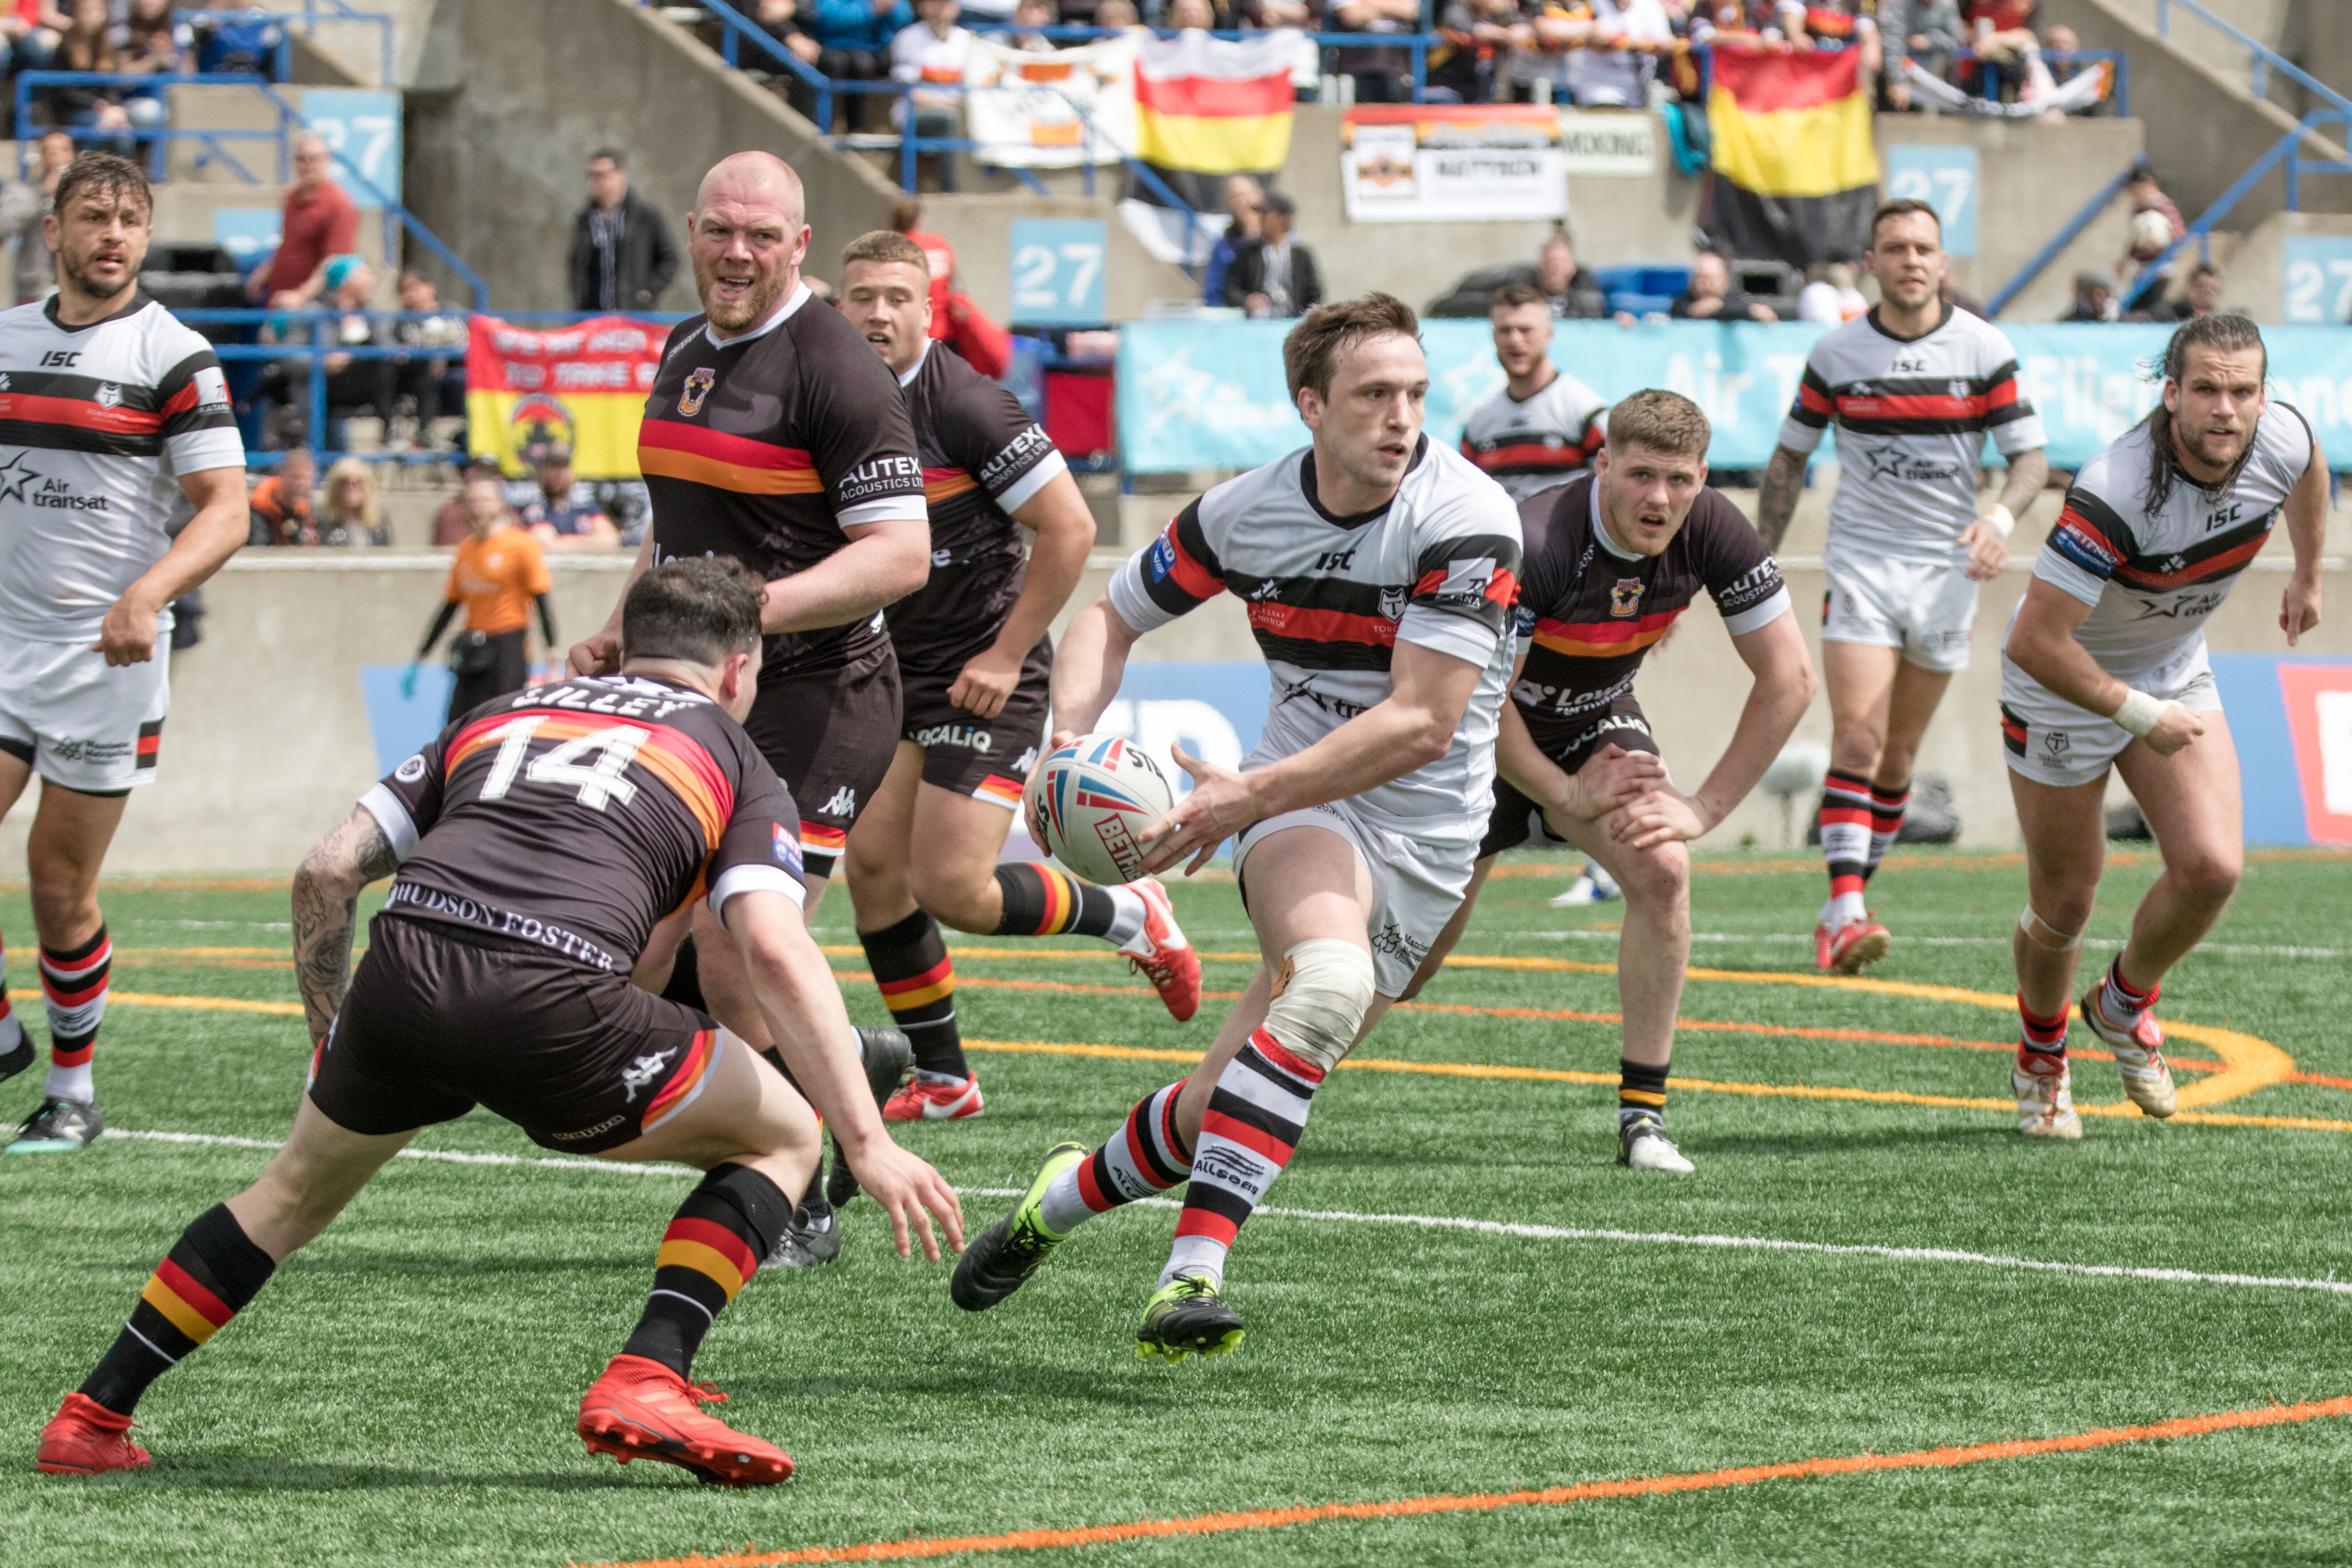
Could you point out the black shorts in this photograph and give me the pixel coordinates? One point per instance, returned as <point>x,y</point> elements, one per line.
<point>503,665</point>
<point>440,1020</point>
<point>1516,819</point>
<point>987,759</point>
<point>830,737</point>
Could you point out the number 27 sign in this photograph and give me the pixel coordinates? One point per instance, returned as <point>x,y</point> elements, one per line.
<point>1057,271</point>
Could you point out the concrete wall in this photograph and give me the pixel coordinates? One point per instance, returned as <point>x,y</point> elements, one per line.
<point>515,93</point>
<point>980,228</point>
<point>2034,179</point>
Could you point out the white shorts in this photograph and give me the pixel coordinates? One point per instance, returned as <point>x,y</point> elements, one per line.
<point>1416,886</point>
<point>78,721</point>
<point>2052,741</point>
<point>1922,609</point>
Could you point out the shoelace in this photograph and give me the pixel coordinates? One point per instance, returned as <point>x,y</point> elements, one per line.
<point>704,1393</point>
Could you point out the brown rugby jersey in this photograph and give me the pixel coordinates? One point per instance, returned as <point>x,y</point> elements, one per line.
<point>765,447</point>
<point>1590,611</point>
<point>576,815</point>
<point>983,457</point>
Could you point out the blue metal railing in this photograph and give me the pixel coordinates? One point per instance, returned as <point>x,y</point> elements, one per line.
<point>2288,151</point>
<point>2262,59</point>
<point>2058,242</point>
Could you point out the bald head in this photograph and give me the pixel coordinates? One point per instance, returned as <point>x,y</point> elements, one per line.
<point>746,237</point>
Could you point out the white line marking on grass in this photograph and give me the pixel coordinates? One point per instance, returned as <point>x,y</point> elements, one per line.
<point>1444,1222</point>
<point>2233,950</point>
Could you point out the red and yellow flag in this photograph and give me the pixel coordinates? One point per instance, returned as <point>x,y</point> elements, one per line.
<point>1214,106</point>
<point>582,388</point>
<point>1796,169</point>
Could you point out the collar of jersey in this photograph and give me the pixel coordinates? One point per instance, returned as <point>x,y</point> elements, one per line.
<point>1538,392</point>
<point>792,302</point>
<point>1307,488</point>
<point>1879,326</point>
<point>916,369</point>
<point>1603,538</point>
<point>139,302</point>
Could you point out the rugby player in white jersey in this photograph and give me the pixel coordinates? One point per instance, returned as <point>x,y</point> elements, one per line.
<point>1913,387</point>
<point>115,429</point>
<point>1380,570</point>
<point>2106,666</point>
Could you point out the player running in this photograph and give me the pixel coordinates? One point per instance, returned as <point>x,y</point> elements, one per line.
<point>115,430</point>
<point>974,662</point>
<point>1380,571</point>
<point>538,841</point>
<point>2105,666</point>
<point>775,436</point>
<point>1912,388</point>
<point>1544,426</point>
<point>1612,560</point>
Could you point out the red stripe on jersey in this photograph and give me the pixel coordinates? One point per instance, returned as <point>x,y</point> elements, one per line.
<point>1603,639</point>
<point>1912,406</point>
<point>81,413</point>
<point>1190,575</point>
<point>182,400</point>
<point>2214,566</point>
<point>676,436</point>
<point>1813,397</point>
<point>148,745</point>
<point>1529,455</point>
<point>2011,728</point>
<point>1502,587</point>
<point>2003,395</point>
<point>1323,626</point>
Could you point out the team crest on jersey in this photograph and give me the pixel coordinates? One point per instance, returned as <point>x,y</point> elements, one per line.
<point>1393,602</point>
<point>108,394</point>
<point>699,383</point>
<point>1625,597</point>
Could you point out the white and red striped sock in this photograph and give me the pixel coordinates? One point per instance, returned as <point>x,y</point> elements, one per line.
<point>1247,1136</point>
<point>1845,844</point>
<point>2124,1003</point>
<point>1143,1159</point>
<point>74,984</point>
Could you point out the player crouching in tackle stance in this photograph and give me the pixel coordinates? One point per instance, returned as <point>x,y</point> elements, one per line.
<point>1378,570</point>
<point>538,841</point>
<point>974,662</point>
<point>2105,666</point>
<point>1612,561</point>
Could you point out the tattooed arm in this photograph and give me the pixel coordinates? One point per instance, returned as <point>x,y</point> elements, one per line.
<point>326,901</point>
<point>1776,496</point>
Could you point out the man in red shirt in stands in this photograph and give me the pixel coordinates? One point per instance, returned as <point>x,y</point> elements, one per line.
<point>319,221</point>
<point>955,320</point>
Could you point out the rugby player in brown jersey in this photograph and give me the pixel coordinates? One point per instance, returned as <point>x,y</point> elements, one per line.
<point>773,435</point>
<point>1612,561</point>
<point>538,841</point>
<point>974,661</point>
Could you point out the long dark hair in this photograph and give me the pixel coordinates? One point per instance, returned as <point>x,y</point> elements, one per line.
<point>2222,335</point>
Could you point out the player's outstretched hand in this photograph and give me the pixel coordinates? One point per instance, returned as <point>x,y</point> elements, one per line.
<point>1661,816</point>
<point>987,683</point>
<point>2174,728</point>
<point>128,634</point>
<point>1220,806</point>
<point>1612,777</point>
<point>2299,606</point>
<point>597,655</point>
<point>1987,552</point>
<point>912,1193</point>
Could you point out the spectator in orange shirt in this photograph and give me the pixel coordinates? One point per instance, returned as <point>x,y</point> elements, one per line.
<point>499,574</point>
<point>280,504</point>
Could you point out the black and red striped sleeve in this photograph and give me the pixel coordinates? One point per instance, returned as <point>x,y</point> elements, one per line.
<point>2009,414</point>
<point>2088,544</point>
<point>1810,415</point>
<point>199,426</point>
<point>1465,584</point>
<point>1173,575</point>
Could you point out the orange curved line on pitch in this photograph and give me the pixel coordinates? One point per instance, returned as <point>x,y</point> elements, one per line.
<point>1940,1458</point>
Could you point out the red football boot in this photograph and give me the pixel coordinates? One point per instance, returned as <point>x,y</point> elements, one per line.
<point>926,1100</point>
<point>85,1438</point>
<point>1163,953</point>
<point>641,1410</point>
<point>1857,945</point>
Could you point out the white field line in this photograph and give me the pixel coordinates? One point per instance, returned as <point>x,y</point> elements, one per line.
<point>1441,1221</point>
<point>2233,950</point>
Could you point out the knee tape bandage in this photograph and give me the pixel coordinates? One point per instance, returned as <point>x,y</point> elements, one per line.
<point>1327,989</point>
<point>2042,934</point>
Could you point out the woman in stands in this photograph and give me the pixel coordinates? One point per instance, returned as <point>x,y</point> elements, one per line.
<point>350,514</point>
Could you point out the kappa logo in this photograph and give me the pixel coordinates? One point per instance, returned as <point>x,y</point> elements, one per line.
<point>699,383</point>
<point>1026,761</point>
<point>842,804</point>
<point>638,1074</point>
<point>108,394</point>
<point>1625,597</point>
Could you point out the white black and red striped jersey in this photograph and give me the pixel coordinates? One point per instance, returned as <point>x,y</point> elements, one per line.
<point>2152,578</point>
<point>1911,414</point>
<point>97,425</point>
<point>1329,597</point>
<point>1548,439</point>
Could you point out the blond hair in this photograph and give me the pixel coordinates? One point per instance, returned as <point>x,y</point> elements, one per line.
<point>370,515</point>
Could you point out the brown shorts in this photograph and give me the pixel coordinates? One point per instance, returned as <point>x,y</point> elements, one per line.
<point>1516,819</point>
<point>830,737</point>
<point>987,759</point>
<point>440,1020</point>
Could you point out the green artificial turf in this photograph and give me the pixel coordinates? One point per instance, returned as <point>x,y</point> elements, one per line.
<point>404,1391</point>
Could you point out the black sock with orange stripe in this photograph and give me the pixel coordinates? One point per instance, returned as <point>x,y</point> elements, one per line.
<point>726,1224</point>
<point>916,979</point>
<point>1641,1091</point>
<point>211,1271</point>
<point>1043,900</point>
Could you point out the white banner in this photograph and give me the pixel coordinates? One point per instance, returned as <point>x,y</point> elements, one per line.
<point>1609,143</point>
<point>1452,163</point>
<point>1034,110</point>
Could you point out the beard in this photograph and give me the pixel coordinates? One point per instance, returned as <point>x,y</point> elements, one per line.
<point>77,272</point>
<point>2212,447</point>
<point>734,316</point>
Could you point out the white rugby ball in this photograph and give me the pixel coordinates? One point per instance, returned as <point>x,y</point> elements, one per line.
<point>1089,803</point>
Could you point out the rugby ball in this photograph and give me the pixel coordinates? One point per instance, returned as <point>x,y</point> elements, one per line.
<point>1089,803</point>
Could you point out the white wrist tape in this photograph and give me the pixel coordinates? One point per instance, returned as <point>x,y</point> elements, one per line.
<point>2139,712</point>
<point>2001,520</point>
